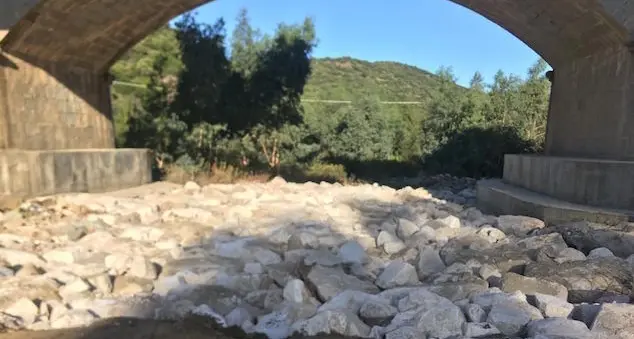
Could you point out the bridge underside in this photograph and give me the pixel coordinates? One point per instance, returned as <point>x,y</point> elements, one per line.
<point>55,112</point>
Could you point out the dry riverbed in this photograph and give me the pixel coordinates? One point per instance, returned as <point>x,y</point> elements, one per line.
<point>281,259</point>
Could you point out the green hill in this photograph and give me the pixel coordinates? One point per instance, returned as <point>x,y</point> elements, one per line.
<point>348,78</point>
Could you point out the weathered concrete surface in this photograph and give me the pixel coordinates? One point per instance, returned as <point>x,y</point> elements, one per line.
<point>499,198</point>
<point>594,182</point>
<point>35,173</point>
<point>51,106</point>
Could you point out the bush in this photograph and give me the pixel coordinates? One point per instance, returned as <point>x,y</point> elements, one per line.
<point>478,152</point>
<point>315,172</point>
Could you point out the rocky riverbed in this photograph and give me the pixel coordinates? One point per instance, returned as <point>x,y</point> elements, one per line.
<point>284,259</point>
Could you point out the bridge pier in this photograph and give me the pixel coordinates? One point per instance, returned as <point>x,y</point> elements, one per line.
<point>587,171</point>
<point>56,132</point>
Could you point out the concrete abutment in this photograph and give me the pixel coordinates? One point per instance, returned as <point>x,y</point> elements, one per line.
<point>587,171</point>
<point>56,133</point>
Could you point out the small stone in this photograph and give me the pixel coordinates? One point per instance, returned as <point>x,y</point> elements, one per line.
<point>614,321</point>
<point>191,186</point>
<point>478,330</point>
<point>6,272</point>
<point>398,273</point>
<point>127,285</point>
<point>253,268</point>
<point>352,252</point>
<point>141,267</point>
<point>486,271</point>
<point>429,263</point>
<point>238,316</point>
<point>103,283</point>
<point>406,332</point>
<point>322,258</point>
<point>295,291</point>
<point>328,282</point>
<point>74,318</point>
<point>600,252</point>
<point>406,228</point>
<point>475,313</point>
<point>517,225</point>
<point>28,270</point>
<point>377,312</point>
<point>553,307</point>
<point>512,282</point>
<point>558,328</point>
<point>59,256</point>
<point>336,322</point>
<point>570,254</point>
<point>25,309</point>
<point>390,243</point>
<point>76,233</point>
<point>76,287</point>
<point>511,316</point>
<point>449,221</point>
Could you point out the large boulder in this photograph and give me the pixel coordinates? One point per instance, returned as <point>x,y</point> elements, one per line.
<point>588,280</point>
<point>586,236</point>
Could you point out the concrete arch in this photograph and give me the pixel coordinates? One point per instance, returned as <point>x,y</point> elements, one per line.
<point>93,34</point>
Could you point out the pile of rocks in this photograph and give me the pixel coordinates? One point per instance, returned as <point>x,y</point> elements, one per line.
<point>281,258</point>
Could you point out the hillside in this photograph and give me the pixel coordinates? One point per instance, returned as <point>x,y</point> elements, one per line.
<point>348,78</point>
<point>331,78</point>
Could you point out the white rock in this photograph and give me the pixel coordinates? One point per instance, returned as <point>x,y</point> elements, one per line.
<point>74,318</point>
<point>206,311</point>
<point>558,328</point>
<point>142,233</point>
<point>352,252</point>
<point>434,315</point>
<point>141,267</point>
<point>600,252</point>
<point>253,268</point>
<point>321,257</point>
<point>276,325</point>
<point>294,291</point>
<point>377,311</point>
<point>398,273</point>
<point>21,258</point>
<point>477,330</point>
<point>331,281</point>
<point>390,243</point>
<point>570,254</point>
<point>429,263</point>
<point>238,316</point>
<point>78,286</point>
<point>266,257</point>
<point>6,272</point>
<point>405,332</point>
<point>553,307</point>
<point>449,221</point>
<point>475,313</point>
<point>23,308</point>
<point>339,322</point>
<point>191,186</point>
<point>510,317</point>
<point>406,228</point>
<point>518,225</point>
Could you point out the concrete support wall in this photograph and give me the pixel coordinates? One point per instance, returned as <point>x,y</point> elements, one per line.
<point>36,173</point>
<point>592,108</point>
<point>593,182</point>
<point>45,107</point>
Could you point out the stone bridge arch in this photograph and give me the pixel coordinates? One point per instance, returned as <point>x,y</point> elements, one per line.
<point>54,88</point>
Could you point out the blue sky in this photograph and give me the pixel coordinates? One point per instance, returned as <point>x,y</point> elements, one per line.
<point>423,33</point>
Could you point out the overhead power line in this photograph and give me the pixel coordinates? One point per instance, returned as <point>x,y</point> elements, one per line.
<point>326,101</point>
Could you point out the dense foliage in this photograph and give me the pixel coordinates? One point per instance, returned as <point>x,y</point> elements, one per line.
<point>268,106</point>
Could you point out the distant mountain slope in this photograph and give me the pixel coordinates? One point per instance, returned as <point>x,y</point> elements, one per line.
<point>346,78</point>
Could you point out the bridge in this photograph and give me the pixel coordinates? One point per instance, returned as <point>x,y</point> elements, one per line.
<point>56,131</point>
